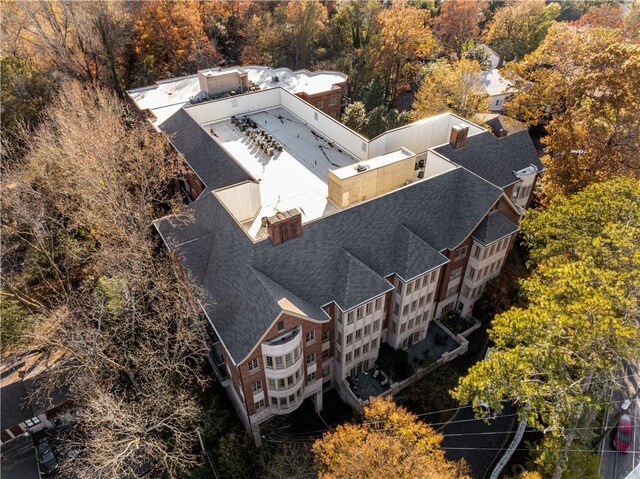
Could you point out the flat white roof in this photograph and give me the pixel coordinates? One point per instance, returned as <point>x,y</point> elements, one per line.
<point>373,163</point>
<point>296,177</point>
<point>168,96</point>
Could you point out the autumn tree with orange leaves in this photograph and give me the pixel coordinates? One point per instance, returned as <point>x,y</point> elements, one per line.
<point>170,40</point>
<point>458,22</point>
<point>404,38</point>
<point>391,442</point>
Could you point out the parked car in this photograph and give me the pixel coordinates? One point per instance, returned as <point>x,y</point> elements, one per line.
<point>621,439</point>
<point>47,461</point>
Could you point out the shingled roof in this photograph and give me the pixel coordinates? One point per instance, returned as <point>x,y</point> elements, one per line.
<point>494,159</point>
<point>353,251</point>
<point>494,227</point>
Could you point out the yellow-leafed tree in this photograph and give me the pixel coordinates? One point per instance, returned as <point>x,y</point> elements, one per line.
<point>391,442</point>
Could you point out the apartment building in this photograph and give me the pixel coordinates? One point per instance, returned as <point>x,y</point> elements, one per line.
<point>308,245</point>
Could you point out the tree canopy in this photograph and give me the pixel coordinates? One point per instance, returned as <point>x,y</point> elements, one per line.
<point>453,87</point>
<point>520,26</point>
<point>583,87</point>
<point>391,442</point>
<point>458,22</point>
<point>559,355</point>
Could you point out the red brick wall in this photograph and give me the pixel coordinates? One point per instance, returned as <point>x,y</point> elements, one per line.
<point>446,272</point>
<point>331,110</point>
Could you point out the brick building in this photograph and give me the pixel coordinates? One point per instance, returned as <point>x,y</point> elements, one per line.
<point>310,245</point>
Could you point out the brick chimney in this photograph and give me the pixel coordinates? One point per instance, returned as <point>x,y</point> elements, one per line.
<point>284,226</point>
<point>458,137</point>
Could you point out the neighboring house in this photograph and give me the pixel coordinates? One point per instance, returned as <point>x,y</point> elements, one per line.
<point>500,125</point>
<point>311,245</point>
<point>498,88</point>
<point>21,415</point>
<point>496,59</point>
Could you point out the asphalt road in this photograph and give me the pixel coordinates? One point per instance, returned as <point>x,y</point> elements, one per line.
<point>617,465</point>
<point>474,440</point>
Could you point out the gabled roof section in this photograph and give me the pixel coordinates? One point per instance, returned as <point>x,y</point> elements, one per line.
<point>210,162</point>
<point>494,227</point>
<point>343,257</point>
<point>494,159</point>
<point>355,282</point>
<point>414,256</point>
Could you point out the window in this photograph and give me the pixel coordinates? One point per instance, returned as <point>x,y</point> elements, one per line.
<point>498,101</point>
<point>280,325</point>
<point>290,381</point>
<point>311,377</point>
<point>393,326</point>
<point>429,297</point>
<point>356,353</point>
<point>311,358</point>
<point>339,317</point>
<point>296,353</point>
<point>259,405</point>
<point>292,398</point>
<point>455,273</point>
<point>359,334</point>
<point>447,308</point>
<point>288,359</point>
<point>272,383</point>
<point>476,251</point>
<point>349,338</point>
<point>367,330</point>
<point>281,383</point>
<point>414,305</point>
<point>374,344</point>
<point>378,304</point>
<point>310,337</point>
<point>325,336</point>
<point>325,354</point>
<point>257,386</point>
<point>32,422</point>
<point>253,365</point>
<point>320,104</point>
<point>399,287</point>
<point>274,401</point>
<point>433,277</point>
<point>332,101</point>
<point>365,348</point>
<point>325,371</point>
<point>405,309</point>
<point>347,358</point>
<point>376,325</point>
<point>269,362</point>
<point>452,290</point>
<point>396,308</point>
<point>339,340</point>
<point>410,324</point>
<point>369,308</point>
<point>492,250</point>
<point>279,364</point>
<point>360,312</point>
<point>283,401</point>
<point>461,253</point>
<point>350,317</point>
<point>409,288</point>
<point>465,291</point>
<point>421,301</point>
<point>403,328</point>
<point>471,273</point>
<point>418,282</point>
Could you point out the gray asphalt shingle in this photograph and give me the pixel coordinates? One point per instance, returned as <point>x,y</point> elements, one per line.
<point>494,227</point>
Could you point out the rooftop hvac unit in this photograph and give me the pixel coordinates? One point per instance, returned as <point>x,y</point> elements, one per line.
<point>361,168</point>
<point>275,79</point>
<point>421,174</point>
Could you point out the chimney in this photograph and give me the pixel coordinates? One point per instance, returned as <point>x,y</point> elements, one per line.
<point>500,60</point>
<point>284,226</point>
<point>458,137</point>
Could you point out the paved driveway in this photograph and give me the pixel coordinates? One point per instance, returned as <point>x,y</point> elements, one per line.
<point>474,440</point>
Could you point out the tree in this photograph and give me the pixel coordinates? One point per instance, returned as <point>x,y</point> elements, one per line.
<point>169,40</point>
<point>583,87</point>
<point>477,53</point>
<point>558,357</point>
<point>404,37</point>
<point>606,16</point>
<point>453,87</point>
<point>131,348</point>
<point>355,116</point>
<point>305,21</point>
<point>226,24</point>
<point>520,26</point>
<point>357,20</point>
<point>458,22</point>
<point>391,442</point>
